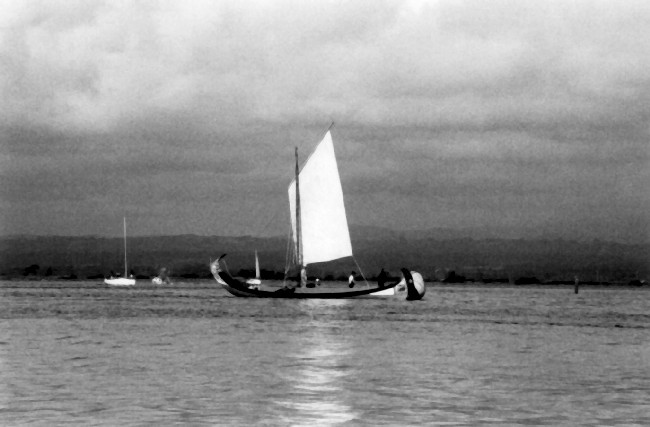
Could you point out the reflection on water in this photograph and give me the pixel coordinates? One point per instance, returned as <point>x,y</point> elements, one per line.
<point>191,355</point>
<point>318,395</point>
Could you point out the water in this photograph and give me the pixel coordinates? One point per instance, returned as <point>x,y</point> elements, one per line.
<point>78,353</point>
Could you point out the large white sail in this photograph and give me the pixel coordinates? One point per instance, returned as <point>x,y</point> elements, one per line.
<point>325,235</point>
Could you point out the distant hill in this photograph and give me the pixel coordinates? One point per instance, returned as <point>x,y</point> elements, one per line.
<point>435,253</point>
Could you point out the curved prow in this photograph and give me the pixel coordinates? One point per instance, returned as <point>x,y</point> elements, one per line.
<point>239,288</point>
<point>216,271</point>
<point>415,288</point>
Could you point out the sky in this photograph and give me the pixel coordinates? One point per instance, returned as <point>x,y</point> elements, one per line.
<point>526,118</point>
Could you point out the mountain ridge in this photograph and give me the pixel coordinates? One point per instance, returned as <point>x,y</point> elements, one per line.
<point>372,232</point>
<point>374,249</point>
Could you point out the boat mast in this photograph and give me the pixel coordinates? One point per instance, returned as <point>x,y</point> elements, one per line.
<point>298,225</point>
<point>125,269</point>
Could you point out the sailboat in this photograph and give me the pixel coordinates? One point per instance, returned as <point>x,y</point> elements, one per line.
<point>257,281</point>
<point>126,280</point>
<point>320,233</point>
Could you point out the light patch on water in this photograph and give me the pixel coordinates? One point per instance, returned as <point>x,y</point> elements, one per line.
<point>317,385</point>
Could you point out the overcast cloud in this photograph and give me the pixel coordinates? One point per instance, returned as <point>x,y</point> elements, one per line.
<point>525,116</point>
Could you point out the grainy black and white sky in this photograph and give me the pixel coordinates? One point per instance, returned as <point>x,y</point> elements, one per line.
<point>525,117</point>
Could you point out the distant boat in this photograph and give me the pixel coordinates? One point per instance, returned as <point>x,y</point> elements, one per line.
<point>257,281</point>
<point>319,231</point>
<point>126,280</point>
<point>158,281</point>
<point>162,278</point>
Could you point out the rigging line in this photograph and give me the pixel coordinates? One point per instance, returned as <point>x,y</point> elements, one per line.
<point>271,218</point>
<point>362,275</point>
<point>225,267</point>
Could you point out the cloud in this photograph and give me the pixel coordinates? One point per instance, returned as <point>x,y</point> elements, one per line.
<point>536,104</point>
<point>94,64</point>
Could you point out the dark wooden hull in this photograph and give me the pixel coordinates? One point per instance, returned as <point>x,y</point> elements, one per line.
<point>240,289</point>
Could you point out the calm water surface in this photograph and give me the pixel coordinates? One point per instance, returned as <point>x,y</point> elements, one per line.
<point>78,353</point>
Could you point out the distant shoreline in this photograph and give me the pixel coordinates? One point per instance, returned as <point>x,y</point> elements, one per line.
<point>454,261</point>
<point>438,284</point>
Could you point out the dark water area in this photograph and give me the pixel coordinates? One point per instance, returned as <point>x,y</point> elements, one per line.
<point>81,353</point>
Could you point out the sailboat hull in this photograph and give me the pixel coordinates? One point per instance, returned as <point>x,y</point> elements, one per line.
<point>302,294</point>
<point>120,281</point>
<point>242,289</point>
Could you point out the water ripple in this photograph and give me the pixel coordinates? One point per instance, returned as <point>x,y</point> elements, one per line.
<point>87,354</point>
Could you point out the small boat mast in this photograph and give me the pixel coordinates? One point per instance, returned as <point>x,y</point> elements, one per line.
<point>125,267</point>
